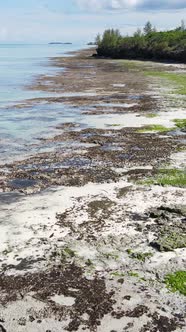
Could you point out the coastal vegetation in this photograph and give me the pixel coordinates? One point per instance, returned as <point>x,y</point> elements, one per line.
<point>151,115</point>
<point>180,123</point>
<point>176,78</point>
<point>148,44</point>
<point>169,177</point>
<point>141,256</point>
<point>158,128</point>
<point>176,282</point>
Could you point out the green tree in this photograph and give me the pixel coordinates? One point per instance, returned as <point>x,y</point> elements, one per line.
<point>138,33</point>
<point>98,39</point>
<point>111,38</point>
<point>183,28</point>
<point>152,44</point>
<point>148,28</point>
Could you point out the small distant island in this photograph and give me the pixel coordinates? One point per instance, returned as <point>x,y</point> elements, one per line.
<point>92,43</point>
<point>60,43</point>
<point>146,44</point>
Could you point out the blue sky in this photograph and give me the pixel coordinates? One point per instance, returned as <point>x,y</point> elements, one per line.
<point>81,20</point>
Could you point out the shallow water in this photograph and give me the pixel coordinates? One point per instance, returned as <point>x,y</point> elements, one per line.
<point>20,63</point>
<point>20,128</point>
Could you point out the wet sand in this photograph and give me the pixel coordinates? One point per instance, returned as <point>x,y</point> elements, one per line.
<point>84,242</point>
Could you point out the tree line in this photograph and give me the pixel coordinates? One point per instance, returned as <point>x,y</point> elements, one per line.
<point>144,44</point>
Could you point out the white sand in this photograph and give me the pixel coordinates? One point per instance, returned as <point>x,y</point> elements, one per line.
<point>134,119</point>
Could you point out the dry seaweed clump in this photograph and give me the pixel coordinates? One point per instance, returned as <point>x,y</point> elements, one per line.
<point>161,324</point>
<point>100,208</point>
<point>176,282</point>
<point>90,296</point>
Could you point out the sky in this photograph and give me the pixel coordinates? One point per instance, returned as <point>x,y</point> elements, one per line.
<point>81,20</point>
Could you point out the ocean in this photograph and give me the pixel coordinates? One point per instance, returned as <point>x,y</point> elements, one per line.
<point>21,128</point>
<point>19,64</point>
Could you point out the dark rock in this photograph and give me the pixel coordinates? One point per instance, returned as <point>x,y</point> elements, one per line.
<point>22,321</point>
<point>121,281</point>
<point>169,241</point>
<point>2,329</point>
<point>139,311</point>
<point>31,319</point>
<point>127,297</point>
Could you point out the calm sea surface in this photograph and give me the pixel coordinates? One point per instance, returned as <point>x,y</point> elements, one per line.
<point>19,64</point>
<point>20,128</point>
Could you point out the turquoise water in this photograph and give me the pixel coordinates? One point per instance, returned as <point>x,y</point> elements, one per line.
<point>21,128</point>
<point>19,64</point>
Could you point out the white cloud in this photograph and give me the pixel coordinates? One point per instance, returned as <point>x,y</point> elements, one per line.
<point>45,24</point>
<point>130,4</point>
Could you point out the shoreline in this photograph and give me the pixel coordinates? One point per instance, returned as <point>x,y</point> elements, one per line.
<point>86,244</point>
<point>165,61</point>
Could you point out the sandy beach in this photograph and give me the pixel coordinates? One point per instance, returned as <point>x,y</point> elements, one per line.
<point>92,218</point>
